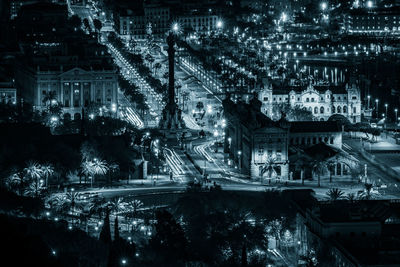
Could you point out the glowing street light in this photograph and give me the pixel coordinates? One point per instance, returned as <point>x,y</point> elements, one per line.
<point>324,6</point>
<point>175,27</point>
<point>284,17</point>
<point>219,24</point>
<point>370,4</point>
<point>395,111</point>
<point>386,109</point>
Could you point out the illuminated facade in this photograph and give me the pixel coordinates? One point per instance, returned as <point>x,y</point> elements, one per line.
<point>129,24</point>
<point>322,100</point>
<point>198,23</point>
<point>74,88</point>
<point>375,23</point>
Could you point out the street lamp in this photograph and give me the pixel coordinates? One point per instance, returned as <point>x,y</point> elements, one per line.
<point>240,159</point>
<point>395,111</point>
<point>175,28</point>
<point>219,24</point>
<point>370,4</point>
<point>386,108</point>
<point>377,108</point>
<point>324,6</point>
<point>369,98</point>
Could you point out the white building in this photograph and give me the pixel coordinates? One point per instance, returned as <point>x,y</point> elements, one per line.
<point>198,23</point>
<point>130,24</point>
<point>322,100</point>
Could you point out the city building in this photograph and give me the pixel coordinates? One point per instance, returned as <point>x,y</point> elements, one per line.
<point>322,100</point>
<point>70,82</point>
<point>8,93</point>
<point>199,23</point>
<point>374,22</point>
<point>358,233</point>
<point>136,23</point>
<point>259,146</point>
<point>253,140</point>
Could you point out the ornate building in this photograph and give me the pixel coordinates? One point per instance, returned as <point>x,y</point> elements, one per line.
<point>254,141</point>
<point>75,87</point>
<point>322,100</point>
<point>259,146</point>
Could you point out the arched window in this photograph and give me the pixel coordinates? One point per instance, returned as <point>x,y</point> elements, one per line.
<point>307,99</point>
<point>344,109</point>
<point>339,109</point>
<point>333,109</point>
<point>322,110</point>
<point>315,110</point>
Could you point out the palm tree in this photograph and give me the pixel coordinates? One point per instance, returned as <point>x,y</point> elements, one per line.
<point>367,194</point>
<point>68,202</point>
<point>351,197</point>
<point>134,206</point>
<point>14,181</point>
<point>47,170</point>
<point>98,206</point>
<point>334,194</point>
<point>49,97</point>
<point>319,167</point>
<point>34,172</point>
<point>117,205</point>
<point>269,168</point>
<point>86,170</point>
<point>99,167</point>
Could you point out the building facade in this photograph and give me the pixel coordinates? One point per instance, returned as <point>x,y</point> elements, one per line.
<point>378,22</point>
<point>74,88</point>
<point>135,25</point>
<point>259,146</point>
<point>8,93</point>
<point>198,23</point>
<point>322,100</point>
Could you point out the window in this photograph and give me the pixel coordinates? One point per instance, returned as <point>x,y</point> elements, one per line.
<point>312,99</point>
<point>315,110</point>
<point>307,99</point>
<point>331,141</point>
<point>344,109</point>
<point>339,109</point>
<point>298,99</point>
<point>265,98</point>
<point>314,140</point>
<point>321,110</point>
<point>354,110</point>
<point>354,97</point>
<point>333,109</point>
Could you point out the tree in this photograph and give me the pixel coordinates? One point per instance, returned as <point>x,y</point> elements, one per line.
<point>68,202</point>
<point>200,106</point>
<point>34,172</point>
<point>99,167</point>
<point>169,241</point>
<point>86,24</point>
<point>351,197</point>
<point>334,194</point>
<point>368,193</point>
<point>105,234</point>
<point>47,171</point>
<point>134,207</point>
<point>97,25</point>
<point>319,167</point>
<point>75,21</point>
<point>49,98</point>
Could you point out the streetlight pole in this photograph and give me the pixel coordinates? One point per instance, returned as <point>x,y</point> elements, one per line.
<point>240,159</point>
<point>369,98</point>
<point>395,112</point>
<point>377,108</point>
<point>386,109</point>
